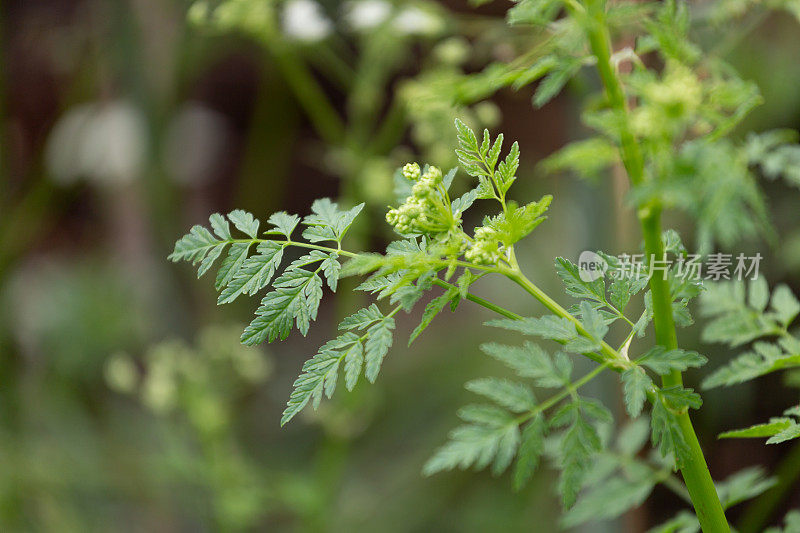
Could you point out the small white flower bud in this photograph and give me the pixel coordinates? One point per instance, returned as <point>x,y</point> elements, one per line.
<point>411,171</point>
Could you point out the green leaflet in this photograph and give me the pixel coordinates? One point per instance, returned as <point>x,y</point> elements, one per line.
<point>296,297</point>
<point>666,433</point>
<point>327,222</point>
<point>297,292</point>
<point>357,351</point>
<point>740,316</point>
<point>379,340</point>
<point>362,318</point>
<point>254,273</point>
<point>319,375</point>
<point>537,12</point>
<point>244,222</point>
<point>516,397</point>
<point>683,522</point>
<point>556,79</point>
<point>614,497</point>
<point>495,177</point>
<point>636,385</point>
<point>578,445</point>
<point>588,158</point>
<point>778,429</point>
<point>763,359</point>
<point>530,451</point>
<point>492,438</point>
<point>231,264</point>
<point>663,361</point>
<point>530,361</point>
<point>283,224</point>
<point>220,226</point>
<point>617,479</point>
<point>743,485</point>
<point>577,287</point>
<point>194,246</point>
<point>432,309</point>
<point>737,320</point>
<point>773,427</point>
<point>209,259</point>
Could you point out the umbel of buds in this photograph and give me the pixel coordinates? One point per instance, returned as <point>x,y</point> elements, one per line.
<point>427,210</point>
<point>486,248</point>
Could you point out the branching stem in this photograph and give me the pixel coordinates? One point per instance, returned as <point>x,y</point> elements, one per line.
<point>694,469</point>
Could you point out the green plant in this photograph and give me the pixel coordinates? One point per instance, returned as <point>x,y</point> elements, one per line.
<point>677,148</point>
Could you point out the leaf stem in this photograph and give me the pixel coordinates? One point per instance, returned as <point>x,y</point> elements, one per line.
<point>568,390</point>
<point>609,354</point>
<point>480,301</point>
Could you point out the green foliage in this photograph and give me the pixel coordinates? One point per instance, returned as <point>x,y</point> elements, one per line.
<point>434,240</point>
<point>776,153</point>
<point>481,161</point>
<point>530,361</point>
<point>434,308</point>
<point>738,320</point>
<point>663,361</point>
<point>744,485</point>
<point>589,158</point>
<point>579,444</point>
<point>637,384</point>
<point>778,429</point>
<point>673,144</point>
<point>297,292</point>
<point>741,486</point>
<point>618,480</point>
<point>365,350</point>
<point>480,444</point>
<point>515,397</point>
<point>561,330</point>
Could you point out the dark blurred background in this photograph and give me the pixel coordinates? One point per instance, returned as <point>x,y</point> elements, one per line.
<point>126,402</point>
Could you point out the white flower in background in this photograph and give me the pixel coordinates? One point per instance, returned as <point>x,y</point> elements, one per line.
<point>304,20</point>
<point>196,141</point>
<point>366,14</point>
<point>100,142</point>
<point>415,21</point>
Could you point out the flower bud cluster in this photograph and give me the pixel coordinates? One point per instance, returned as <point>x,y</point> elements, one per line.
<point>679,91</point>
<point>425,210</point>
<point>486,250</point>
<point>669,102</point>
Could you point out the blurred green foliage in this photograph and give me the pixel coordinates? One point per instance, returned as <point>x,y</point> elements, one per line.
<point>206,118</point>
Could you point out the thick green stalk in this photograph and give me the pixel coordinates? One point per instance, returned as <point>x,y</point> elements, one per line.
<point>694,469</point>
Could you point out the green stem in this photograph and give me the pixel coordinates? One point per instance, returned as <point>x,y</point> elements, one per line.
<point>694,469</point>
<point>480,301</point>
<point>570,389</point>
<point>760,510</point>
<point>609,354</point>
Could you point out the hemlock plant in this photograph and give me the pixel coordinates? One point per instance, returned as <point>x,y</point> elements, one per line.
<point>665,113</point>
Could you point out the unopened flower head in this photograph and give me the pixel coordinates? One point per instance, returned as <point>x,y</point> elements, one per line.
<point>426,210</point>
<point>411,171</point>
<point>487,247</point>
